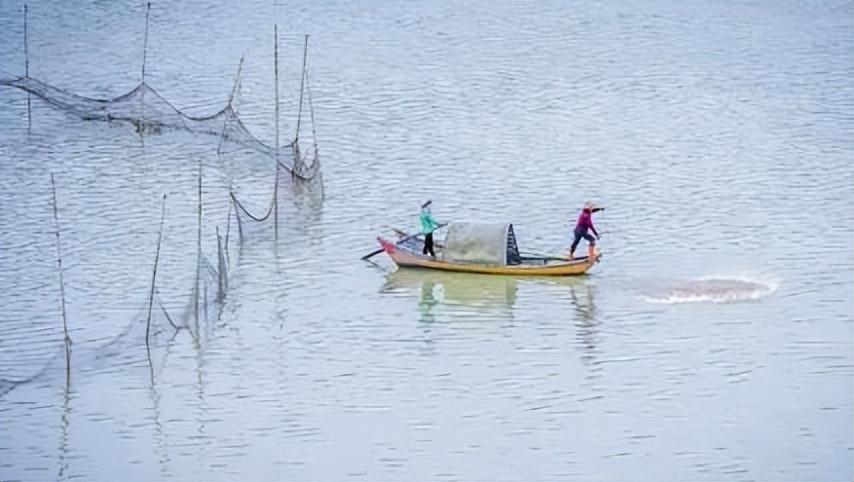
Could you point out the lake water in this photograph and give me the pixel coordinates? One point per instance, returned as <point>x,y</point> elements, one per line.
<point>715,340</point>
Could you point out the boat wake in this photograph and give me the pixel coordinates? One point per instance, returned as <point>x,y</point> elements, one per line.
<point>712,289</point>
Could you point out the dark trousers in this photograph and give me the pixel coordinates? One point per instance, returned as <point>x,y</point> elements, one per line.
<point>581,234</point>
<point>428,245</point>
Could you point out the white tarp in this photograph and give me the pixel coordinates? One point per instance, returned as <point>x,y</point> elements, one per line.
<point>477,243</point>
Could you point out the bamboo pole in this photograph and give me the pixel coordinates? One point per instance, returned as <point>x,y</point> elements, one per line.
<point>316,161</point>
<point>142,81</point>
<point>198,248</point>
<point>61,281</point>
<point>228,228</point>
<point>205,303</point>
<point>239,226</point>
<point>276,188</point>
<point>298,159</point>
<point>154,272</point>
<point>145,40</point>
<point>221,270</point>
<point>229,106</point>
<point>27,73</point>
<point>302,85</point>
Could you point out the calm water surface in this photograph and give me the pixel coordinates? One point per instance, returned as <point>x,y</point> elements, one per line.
<point>714,341</point>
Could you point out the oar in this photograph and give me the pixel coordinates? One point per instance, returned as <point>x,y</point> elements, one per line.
<point>407,238</point>
<point>402,233</point>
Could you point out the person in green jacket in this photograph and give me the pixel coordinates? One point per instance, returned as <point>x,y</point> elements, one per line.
<point>428,225</point>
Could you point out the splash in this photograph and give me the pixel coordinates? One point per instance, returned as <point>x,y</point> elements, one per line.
<point>713,289</point>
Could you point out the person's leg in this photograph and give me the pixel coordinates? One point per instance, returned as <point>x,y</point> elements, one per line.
<point>574,245</point>
<point>424,250</point>
<point>428,244</point>
<point>591,246</point>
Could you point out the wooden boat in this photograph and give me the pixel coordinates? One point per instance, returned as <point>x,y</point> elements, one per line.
<point>483,249</point>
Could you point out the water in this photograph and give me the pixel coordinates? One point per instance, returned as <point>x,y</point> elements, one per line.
<point>715,336</point>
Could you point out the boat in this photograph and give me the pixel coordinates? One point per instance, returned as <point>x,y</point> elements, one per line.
<point>483,249</point>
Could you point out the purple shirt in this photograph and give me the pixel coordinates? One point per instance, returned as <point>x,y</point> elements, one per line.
<point>585,222</point>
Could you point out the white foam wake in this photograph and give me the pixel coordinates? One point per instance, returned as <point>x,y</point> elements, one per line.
<point>713,289</point>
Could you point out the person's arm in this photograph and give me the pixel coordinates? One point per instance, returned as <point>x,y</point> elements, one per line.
<point>593,228</point>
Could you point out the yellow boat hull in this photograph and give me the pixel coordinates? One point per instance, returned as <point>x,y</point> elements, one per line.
<point>408,259</point>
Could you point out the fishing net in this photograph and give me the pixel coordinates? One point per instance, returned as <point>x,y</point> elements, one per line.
<point>175,303</point>
<point>149,112</point>
<point>169,306</point>
<point>176,300</point>
<point>160,316</point>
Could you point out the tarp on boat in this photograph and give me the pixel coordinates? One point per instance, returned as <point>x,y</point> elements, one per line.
<point>493,244</point>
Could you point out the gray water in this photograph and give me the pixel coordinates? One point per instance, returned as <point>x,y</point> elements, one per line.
<point>713,342</point>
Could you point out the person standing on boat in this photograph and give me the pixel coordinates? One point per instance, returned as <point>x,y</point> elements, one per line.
<point>585,224</point>
<point>428,225</point>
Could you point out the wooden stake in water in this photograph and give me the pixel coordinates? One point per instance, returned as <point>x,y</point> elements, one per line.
<point>276,187</point>
<point>276,206</point>
<point>229,106</point>
<point>145,41</point>
<point>311,113</point>
<point>298,160</point>
<point>27,73</point>
<point>142,81</point>
<point>198,250</point>
<point>154,271</point>
<point>221,270</point>
<point>236,80</point>
<point>228,227</point>
<point>61,281</point>
<point>302,85</point>
<point>315,168</point>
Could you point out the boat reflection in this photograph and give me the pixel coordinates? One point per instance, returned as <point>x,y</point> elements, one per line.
<point>581,292</point>
<point>464,292</point>
<point>582,296</point>
<point>474,296</point>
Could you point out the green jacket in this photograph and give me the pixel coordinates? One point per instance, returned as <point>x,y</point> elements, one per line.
<point>428,224</point>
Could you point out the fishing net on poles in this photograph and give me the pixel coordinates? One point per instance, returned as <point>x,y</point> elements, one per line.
<point>166,307</point>
<point>149,112</point>
<point>194,307</point>
<point>178,302</point>
<point>249,219</point>
<point>198,315</point>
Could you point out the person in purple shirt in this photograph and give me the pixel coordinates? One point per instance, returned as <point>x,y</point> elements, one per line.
<point>585,224</point>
